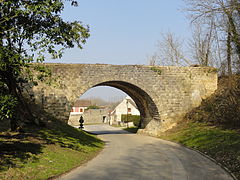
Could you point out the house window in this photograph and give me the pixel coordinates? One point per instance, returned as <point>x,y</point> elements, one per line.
<point>81,110</point>
<point>72,110</point>
<point>129,110</point>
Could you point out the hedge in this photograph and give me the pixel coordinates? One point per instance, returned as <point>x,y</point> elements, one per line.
<point>131,118</point>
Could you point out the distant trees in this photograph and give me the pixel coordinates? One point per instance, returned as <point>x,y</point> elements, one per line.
<point>28,30</point>
<point>98,102</point>
<point>93,107</point>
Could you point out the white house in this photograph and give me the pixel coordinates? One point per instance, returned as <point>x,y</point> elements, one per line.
<point>80,106</point>
<point>127,106</point>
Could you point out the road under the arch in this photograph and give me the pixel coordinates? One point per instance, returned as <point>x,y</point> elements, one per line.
<point>135,157</point>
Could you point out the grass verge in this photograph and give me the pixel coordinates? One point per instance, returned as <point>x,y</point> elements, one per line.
<point>222,145</point>
<point>41,153</point>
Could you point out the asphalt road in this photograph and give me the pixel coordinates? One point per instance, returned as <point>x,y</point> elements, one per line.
<point>134,157</point>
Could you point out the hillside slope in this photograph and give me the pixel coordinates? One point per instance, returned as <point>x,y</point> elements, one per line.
<point>222,108</point>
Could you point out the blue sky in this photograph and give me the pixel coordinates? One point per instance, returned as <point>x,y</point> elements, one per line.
<point>123,31</point>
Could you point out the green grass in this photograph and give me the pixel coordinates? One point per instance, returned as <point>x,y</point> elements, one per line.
<point>222,145</point>
<point>41,153</point>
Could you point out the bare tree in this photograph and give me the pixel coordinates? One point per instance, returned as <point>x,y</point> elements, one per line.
<point>152,60</point>
<point>225,16</point>
<point>201,45</point>
<point>169,51</point>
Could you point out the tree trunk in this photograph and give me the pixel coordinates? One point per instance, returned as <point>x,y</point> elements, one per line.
<point>229,58</point>
<point>235,36</point>
<point>23,113</point>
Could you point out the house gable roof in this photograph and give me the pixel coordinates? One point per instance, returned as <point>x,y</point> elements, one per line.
<point>82,103</point>
<point>132,102</point>
<point>129,100</point>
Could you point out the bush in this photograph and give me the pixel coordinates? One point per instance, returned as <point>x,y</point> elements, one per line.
<point>131,118</point>
<point>7,106</point>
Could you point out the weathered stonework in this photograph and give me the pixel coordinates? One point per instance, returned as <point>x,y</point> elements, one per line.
<point>91,116</point>
<point>162,94</point>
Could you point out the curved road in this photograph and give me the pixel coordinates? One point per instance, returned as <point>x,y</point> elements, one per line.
<point>129,156</point>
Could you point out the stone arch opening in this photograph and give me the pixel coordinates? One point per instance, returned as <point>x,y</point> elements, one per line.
<point>147,107</point>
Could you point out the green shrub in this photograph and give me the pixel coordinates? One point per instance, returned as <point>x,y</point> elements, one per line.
<point>7,106</point>
<point>157,70</point>
<point>131,118</point>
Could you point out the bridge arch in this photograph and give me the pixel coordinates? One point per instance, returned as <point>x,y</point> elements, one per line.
<point>163,94</point>
<point>146,105</point>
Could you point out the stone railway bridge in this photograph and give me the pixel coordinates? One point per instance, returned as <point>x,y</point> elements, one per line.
<point>163,95</point>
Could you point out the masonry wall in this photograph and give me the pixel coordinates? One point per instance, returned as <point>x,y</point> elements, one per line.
<point>163,94</point>
<point>91,116</point>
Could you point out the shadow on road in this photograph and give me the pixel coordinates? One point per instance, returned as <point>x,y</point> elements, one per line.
<point>143,163</point>
<point>104,129</point>
<point>108,132</point>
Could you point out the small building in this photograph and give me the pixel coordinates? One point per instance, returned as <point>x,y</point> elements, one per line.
<point>127,106</point>
<point>90,116</point>
<point>80,106</point>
